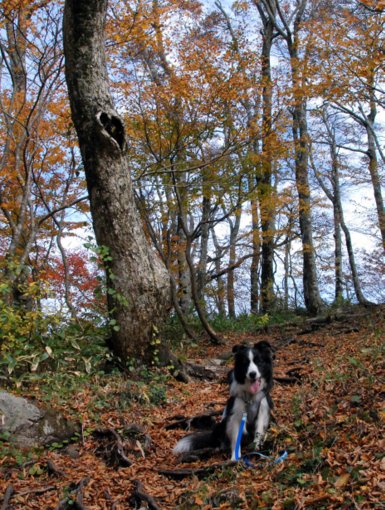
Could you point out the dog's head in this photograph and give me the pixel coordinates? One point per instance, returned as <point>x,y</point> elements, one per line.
<point>253,366</point>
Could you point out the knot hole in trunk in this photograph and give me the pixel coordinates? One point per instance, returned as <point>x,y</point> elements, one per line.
<point>113,127</point>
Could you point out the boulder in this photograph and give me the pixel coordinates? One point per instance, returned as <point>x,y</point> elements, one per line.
<point>29,426</point>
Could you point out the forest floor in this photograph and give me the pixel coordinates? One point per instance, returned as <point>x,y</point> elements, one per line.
<point>329,416</point>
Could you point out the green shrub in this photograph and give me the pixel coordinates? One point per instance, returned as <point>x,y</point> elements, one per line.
<point>35,342</point>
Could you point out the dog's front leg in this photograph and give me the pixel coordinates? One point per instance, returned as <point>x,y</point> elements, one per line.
<point>232,431</point>
<point>262,423</point>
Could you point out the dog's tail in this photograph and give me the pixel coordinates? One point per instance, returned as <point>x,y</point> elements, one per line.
<point>196,441</point>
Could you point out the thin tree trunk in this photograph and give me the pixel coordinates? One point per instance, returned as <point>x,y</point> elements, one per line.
<point>374,174</point>
<point>286,266</point>
<point>139,297</point>
<point>184,280</point>
<point>265,188</point>
<point>338,294</point>
<point>256,248</point>
<point>220,298</point>
<point>349,247</point>
<point>338,274</point>
<point>204,240</point>
<point>234,229</point>
<point>200,311</point>
<point>339,222</point>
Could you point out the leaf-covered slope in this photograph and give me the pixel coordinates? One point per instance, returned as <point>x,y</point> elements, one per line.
<point>329,415</point>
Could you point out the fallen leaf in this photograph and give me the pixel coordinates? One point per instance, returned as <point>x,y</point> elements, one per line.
<point>342,480</point>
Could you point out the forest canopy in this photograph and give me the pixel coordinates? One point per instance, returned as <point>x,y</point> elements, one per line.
<point>255,146</point>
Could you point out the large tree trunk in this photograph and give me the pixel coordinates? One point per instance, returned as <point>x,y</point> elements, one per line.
<point>312,297</point>
<point>139,296</point>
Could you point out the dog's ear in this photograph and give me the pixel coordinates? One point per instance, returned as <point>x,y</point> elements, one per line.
<point>265,348</point>
<point>238,348</point>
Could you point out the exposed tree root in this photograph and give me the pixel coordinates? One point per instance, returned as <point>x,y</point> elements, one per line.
<point>140,495</point>
<point>111,448</point>
<point>7,497</point>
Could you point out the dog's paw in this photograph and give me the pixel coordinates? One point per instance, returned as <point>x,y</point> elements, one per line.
<point>258,441</point>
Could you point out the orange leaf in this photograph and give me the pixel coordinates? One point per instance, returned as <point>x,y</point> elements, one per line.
<point>342,480</point>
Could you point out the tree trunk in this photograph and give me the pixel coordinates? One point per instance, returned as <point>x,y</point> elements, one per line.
<point>312,297</point>
<point>234,229</point>
<point>335,198</point>
<point>220,298</point>
<point>339,221</point>
<point>139,287</point>
<point>286,266</point>
<point>184,276</point>
<point>373,170</point>
<point>255,260</point>
<point>338,294</point>
<point>265,188</point>
<point>204,240</point>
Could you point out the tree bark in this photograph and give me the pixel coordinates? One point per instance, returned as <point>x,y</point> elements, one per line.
<point>255,260</point>
<point>312,297</point>
<point>310,284</point>
<point>220,297</point>
<point>204,240</point>
<point>234,230</point>
<point>338,294</point>
<point>139,288</point>
<point>265,188</point>
<point>373,165</point>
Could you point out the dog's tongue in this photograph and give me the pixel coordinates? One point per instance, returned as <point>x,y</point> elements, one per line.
<point>255,387</point>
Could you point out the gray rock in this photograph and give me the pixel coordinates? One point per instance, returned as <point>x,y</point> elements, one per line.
<point>29,426</point>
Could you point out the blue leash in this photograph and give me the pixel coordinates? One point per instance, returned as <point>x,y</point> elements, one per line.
<point>239,438</point>
<point>282,454</point>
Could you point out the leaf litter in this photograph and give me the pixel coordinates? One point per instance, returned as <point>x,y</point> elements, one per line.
<point>330,418</point>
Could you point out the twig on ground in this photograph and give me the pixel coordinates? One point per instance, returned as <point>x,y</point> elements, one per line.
<point>7,497</point>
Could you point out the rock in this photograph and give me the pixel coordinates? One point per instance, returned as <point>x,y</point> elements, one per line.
<point>29,426</point>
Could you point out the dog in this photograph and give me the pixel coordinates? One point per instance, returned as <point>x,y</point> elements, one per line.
<point>251,381</point>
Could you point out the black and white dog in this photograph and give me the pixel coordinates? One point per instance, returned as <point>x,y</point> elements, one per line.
<point>250,383</point>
